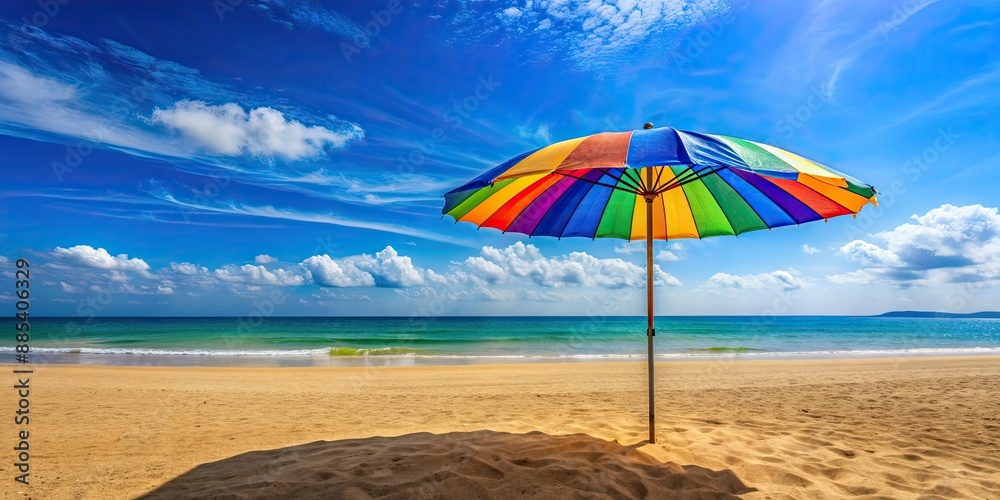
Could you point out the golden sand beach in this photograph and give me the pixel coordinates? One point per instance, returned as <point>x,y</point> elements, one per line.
<point>866,428</point>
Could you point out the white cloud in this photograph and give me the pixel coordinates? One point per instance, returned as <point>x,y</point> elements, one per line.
<point>946,244</point>
<point>188,268</point>
<point>780,279</point>
<point>259,275</point>
<point>512,12</point>
<point>809,249</point>
<point>230,130</point>
<point>98,258</point>
<point>386,268</point>
<point>670,254</point>
<point>41,99</point>
<point>164,290</point>
<point>971,231</point>
<point>19,84</point>
<point>540,134</point>
<point>3,259</point>
<point>859,277</point>
<point>630,247</point>
<point>66,287</point>
<point>265,259</point>
<point>492,294</point>
<point>272,212</point>
<point>309,14</point>
<point>525,264</point>
<point>666,256</point>
<point>868,254</point>
<point>596,33</point>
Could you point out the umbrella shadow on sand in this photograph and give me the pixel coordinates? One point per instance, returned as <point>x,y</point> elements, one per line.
<point>467,465</point>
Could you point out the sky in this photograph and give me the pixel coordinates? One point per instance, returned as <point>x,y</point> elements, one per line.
<point>268,157</point>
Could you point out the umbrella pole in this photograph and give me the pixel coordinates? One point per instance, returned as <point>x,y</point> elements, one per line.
<point>650,331</point>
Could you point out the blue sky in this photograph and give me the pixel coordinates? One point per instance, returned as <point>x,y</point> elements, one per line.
<point>235,158</point>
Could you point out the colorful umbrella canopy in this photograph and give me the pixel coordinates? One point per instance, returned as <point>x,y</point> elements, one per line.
<point>705,185</point>
<point>655,183</point>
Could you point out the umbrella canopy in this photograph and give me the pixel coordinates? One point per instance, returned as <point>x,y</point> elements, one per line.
<point>654,184</point>
<point>704,185</point>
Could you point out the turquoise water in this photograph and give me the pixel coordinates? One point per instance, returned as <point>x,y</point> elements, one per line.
<point>444,340</point>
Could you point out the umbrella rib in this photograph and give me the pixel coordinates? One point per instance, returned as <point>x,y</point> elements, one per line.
<point>599,183</point>
<point>670,186</point>
<point>632,183</point>
<point>683,176</point>
<point>622,179</point>
<point>658,174</point>
<point>638,180</point>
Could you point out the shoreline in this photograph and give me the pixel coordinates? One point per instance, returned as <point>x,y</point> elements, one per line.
<point>332,361</point>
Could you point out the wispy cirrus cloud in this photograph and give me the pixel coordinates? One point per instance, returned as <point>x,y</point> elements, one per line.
<point>272,212</point>
<point>832,38</point>
<point>311,15</point>
<point>975,93</point>
<point>64,89</point>
<point>594,35</point>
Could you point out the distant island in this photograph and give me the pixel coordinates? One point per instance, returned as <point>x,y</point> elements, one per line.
<point>933,314</point>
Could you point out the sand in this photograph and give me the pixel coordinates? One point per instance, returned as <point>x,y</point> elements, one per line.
<point>876,428</point>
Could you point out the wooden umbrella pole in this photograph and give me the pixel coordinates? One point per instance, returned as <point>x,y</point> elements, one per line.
<point>650,331</point>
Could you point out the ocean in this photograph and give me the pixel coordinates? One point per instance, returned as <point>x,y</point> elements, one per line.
<point>354,341</point>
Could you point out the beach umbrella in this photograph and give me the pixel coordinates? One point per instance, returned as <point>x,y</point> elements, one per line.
<point>655,184</point>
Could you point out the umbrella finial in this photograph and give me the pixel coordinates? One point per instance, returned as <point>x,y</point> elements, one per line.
<point>648,125</point>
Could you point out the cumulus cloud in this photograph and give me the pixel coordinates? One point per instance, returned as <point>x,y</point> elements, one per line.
<point>259,275</point>
<point>518,272</point>
<point>188,268</point>
<point>868,254</point>
<point>780,279</point>
<point>265,259</point>
<point>98,258</point>
<point>859,277</point>
<point>230,130</point>
<point>809,249</point>
<point>948,243</point>
<point>666,256</point>
<point>325,271</point>
<point>630,247</point>
<point>512,12</point>
<point>386,268</point>
<point>670,254</point>
<point>525,264</point>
